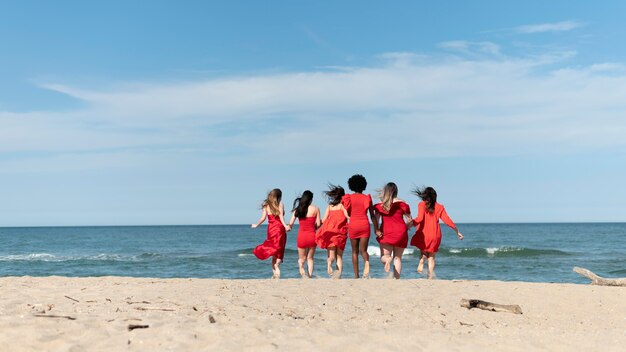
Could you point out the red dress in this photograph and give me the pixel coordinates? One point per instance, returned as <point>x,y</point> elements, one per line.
<point>357,205</point>
<point>334,231</point>
<point>428,236</point>
<point>393,226</point>
<point>306,232</point>
<point>274,245</point>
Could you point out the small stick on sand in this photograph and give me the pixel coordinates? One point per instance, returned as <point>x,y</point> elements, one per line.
<point>155,308</point>
<point>476,303</point>
<point>132,327</point>
<point>73,299</point>
<point>54,316</point>
<point>597,280</point>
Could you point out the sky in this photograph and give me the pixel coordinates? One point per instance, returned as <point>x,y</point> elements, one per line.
<point>164,112</point>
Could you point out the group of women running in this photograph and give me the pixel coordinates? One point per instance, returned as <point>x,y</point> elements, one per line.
<point>347,217</point>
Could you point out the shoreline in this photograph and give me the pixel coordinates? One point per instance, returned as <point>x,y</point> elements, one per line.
<point>320,314</point>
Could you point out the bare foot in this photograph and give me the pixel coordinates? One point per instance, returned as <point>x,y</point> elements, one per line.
<point>432,276</point>
<point>277,269</point>
<point>420,267</point>
<point>366,270</point>
<point>330,269</point>
<point>388,265</point>
<point>302,272</point>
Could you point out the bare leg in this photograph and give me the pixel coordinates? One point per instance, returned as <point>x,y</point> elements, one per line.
<point>385,256</point>
<point>332,254</point>
<point>309,260</point>
<point>397,261</point>
<point>301,260</point>
<point>363,244</point>
<point>278,262</point>
<point>431,266</point>
<point>339,263</point>
<point>355,256</point>
<point>420,266</point>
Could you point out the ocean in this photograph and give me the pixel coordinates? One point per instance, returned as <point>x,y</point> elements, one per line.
<point>508,252</point>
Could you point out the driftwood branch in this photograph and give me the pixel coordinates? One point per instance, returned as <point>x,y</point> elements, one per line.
<point>476,303</point>
<point>597,280</point>
<point>132,327</point>
<point>55,316</point>
<point>73,299</point>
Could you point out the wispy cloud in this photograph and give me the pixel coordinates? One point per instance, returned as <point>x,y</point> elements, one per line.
<point>409,106</point>
<point>549,27</point>
<point>467,47</point>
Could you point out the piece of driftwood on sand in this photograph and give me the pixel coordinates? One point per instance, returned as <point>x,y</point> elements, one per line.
<point>494,307</point>
<point>598,280</point>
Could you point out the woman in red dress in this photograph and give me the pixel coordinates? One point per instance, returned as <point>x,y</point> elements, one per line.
<point>274,245</point>
<point>392,236</point>
<point>308,216</point>
<point>333,233</point>
<point>358,206</point>
<point>428,231</point>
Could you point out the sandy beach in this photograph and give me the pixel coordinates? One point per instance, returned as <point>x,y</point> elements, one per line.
<point>94,314</point>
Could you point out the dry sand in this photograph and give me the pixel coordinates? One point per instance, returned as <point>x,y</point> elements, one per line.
<point>316,314</point>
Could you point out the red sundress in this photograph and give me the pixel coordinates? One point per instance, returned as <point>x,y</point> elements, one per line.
<point>274,245</point>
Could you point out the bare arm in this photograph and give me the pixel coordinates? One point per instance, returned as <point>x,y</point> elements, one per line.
<point>377,223</point>
<point>446,220</point>
<point>292,220</point>
<point>408,219</point>
<point>373,217</point>
<point>261,220</point>
<point>281,215</point>
<point>325,215</point>
<point>318,221</point>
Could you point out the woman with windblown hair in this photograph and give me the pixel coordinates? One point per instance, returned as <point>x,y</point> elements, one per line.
<point>308,216</point>
<point>392,236</point>
<point>274,245</point>
<point>333,233</point>
<point>428,231</point>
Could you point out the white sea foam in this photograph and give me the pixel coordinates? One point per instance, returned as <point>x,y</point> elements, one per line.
<point>29,257</point>
<point>244,254</point>
<point>492,250</point>
<point>375,251</point>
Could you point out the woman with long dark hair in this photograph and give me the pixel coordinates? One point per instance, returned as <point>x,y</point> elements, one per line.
<point>359,205</point>
<point>392,236</point>
<point>274,246</point>
<point>333,233</point>
<point>428,231</point>
<point>308,216</point>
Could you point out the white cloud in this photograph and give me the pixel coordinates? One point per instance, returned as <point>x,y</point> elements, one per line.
<point>549,27</point>
<point>410,106</point>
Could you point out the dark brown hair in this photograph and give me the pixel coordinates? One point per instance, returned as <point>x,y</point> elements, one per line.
<point>334,194</point>
<point>428,195</point>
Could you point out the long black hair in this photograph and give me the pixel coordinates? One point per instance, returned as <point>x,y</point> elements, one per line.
<point>428,195</point>
<point>302,203</point>
<point>334,194</point>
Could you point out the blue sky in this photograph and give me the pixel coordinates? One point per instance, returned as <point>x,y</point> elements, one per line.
<point>162,112</point>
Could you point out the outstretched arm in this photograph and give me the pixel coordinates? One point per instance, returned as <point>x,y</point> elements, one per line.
<point>261,220</point>
<point>446,220</point>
